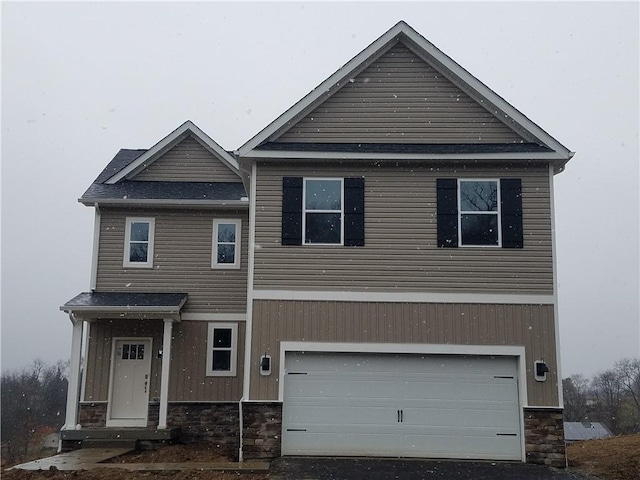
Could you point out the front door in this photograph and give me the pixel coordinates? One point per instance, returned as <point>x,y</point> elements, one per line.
<point>130,381</point>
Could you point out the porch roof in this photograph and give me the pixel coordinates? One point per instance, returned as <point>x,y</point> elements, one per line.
<point>126,304</point>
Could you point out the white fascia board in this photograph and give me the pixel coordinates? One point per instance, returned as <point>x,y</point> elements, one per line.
<point>403,28</point>
<point>126,308</point>
<point>168,141</point>
<point>305,155</point>
<point>164,203</point>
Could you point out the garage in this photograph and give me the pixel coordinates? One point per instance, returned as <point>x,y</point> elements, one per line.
<point>409,405</point>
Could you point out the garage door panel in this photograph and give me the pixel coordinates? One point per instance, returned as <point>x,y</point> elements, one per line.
<point>301,416</point>
<point>440,406</point>
<point>314,385</point>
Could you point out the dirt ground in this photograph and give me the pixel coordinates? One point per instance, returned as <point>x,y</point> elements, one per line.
<point>616,458</point>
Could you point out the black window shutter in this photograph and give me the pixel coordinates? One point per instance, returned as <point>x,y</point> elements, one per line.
<point>447,198</point>
<point>511,211</point>
<point>354,212</point>
<point>292,210</point>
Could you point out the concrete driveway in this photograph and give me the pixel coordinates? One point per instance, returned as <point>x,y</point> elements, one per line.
<point>313,468</point>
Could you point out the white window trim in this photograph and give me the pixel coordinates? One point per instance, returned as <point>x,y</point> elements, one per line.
<point>304,211</point>
<point>127,242</point>
<point>214,247</point>
<point>234,349</point>
<point>498,212</point>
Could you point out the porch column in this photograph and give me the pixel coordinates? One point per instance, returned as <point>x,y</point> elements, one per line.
<point>164,378</point>
<point>73,393</point>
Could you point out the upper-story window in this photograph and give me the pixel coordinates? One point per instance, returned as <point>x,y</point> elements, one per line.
<point>480,213</point>
<point>138,245</point>
<point>226,244</point>
<point>322,216</point>
<point>323,211</point>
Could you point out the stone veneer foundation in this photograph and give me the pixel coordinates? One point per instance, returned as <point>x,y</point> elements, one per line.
<point>218,423</point>
<point>544,436</point>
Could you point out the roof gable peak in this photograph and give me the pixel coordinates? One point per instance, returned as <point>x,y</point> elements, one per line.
<point>402,32</point>
<point>185,130</point>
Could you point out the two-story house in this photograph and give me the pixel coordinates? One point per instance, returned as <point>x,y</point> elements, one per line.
<point>372,274</point>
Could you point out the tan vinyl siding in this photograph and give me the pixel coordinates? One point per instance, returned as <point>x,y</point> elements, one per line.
<point>399,98</point>
<point>188,380</point>
<point>188,161</point>
<point>531,326</point>
<point>182,259</point>
<point>400,252</point>
<point>101,337</point>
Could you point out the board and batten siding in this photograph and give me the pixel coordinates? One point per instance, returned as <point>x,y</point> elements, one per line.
<point>531,326</point>
<point>182,259</point>
<point>187,381</point>
<point>188,161</point>
<point>400,98</point>
<point>400,252</point>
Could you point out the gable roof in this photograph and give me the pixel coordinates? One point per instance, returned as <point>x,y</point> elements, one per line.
<point>183,131</point>
<point>543,145</point>
<point>114,187</point>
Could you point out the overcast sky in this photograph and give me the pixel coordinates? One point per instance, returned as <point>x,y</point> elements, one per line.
<point>82,80</point>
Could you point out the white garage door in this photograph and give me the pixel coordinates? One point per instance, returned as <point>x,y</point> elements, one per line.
<point>439,406</point>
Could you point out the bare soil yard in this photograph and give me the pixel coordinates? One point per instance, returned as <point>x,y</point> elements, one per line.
<point>616,458</point>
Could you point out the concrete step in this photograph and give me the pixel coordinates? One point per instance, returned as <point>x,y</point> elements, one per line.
<point>109,443</point>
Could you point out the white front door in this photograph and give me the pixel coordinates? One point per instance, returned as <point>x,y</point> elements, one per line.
<point>130,381</point>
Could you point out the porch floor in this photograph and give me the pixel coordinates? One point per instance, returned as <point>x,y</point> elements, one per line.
<point>89,458</point>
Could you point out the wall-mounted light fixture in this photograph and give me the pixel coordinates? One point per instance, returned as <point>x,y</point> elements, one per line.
<point>540,370</point>
<point>265,364</point>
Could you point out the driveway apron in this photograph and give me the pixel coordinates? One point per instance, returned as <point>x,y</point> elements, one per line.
<point>313,468</point>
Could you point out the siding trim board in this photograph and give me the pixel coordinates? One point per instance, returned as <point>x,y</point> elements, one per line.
<point>402,297</point>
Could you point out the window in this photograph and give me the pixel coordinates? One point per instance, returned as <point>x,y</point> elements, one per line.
<point>222,343</point>
<point>323,211</point>
<point>138,245</point>
<point>478,212</point>
<point>226,244</point>
<point>479,218</point>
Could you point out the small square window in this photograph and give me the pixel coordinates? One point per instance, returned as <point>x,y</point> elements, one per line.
<point>138,244</point>
<point>226,244</point>
<point>222,349</point>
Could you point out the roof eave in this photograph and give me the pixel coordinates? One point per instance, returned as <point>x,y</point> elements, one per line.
<point>120,202</point>
<point>499,156</point>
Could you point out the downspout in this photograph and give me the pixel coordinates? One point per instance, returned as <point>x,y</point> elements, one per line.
<point>246,380</point>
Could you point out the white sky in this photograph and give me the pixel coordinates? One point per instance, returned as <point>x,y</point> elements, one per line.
<point>82,80</point>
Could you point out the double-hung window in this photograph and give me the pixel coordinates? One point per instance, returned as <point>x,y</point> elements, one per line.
<point>222,349</point>
<point>138,245</point>
<point>323,211</point>
<point>480,213</point>
<point>479,207</point>
<point>226,244</point>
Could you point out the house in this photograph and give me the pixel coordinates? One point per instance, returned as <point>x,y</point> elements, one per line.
<point>578,431</point>
<point>372,274</point>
